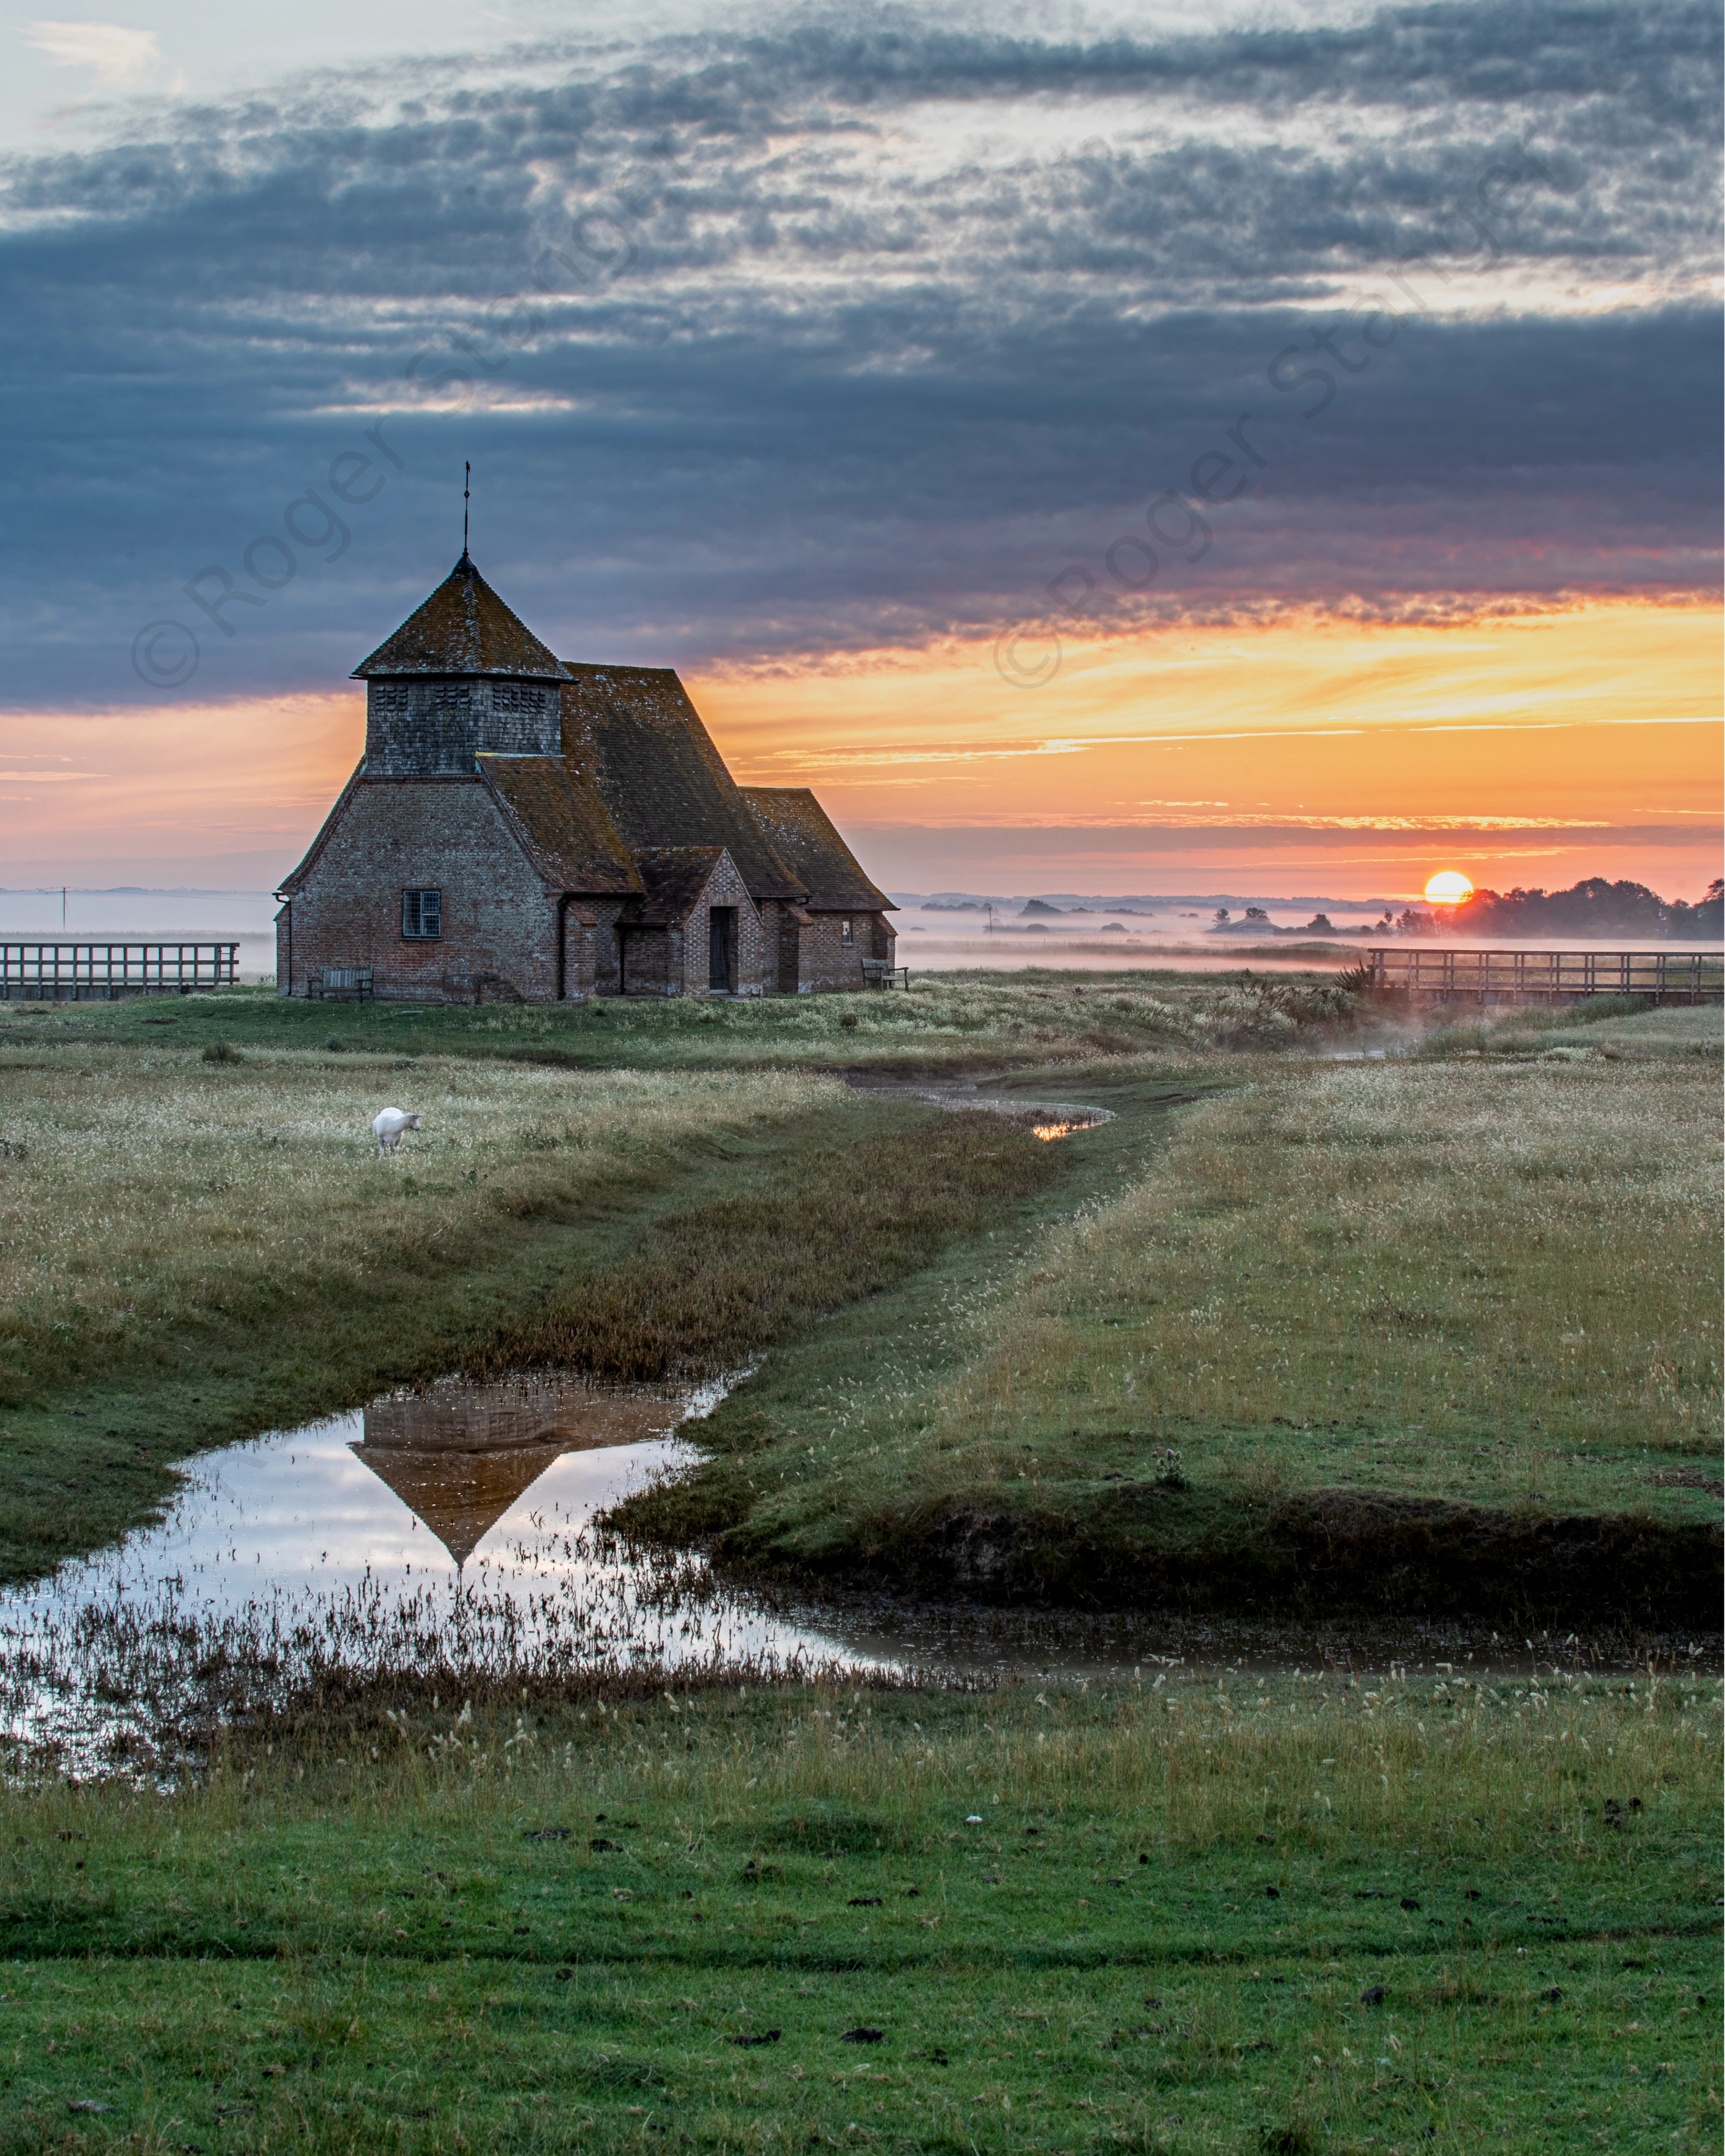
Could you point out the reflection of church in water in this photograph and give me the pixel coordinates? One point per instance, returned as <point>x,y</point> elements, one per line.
<point>460,1456</point>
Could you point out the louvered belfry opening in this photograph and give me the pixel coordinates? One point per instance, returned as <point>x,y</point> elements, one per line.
<point>463,676</point>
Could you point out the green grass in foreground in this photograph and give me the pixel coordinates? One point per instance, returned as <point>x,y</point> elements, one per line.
<point>1239,1916</point>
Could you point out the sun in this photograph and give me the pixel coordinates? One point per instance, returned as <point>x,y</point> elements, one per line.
<point>1449,887</point>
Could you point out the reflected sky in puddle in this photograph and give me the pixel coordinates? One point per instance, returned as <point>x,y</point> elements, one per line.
<point>453,1530</point>
<point>453,1527</point>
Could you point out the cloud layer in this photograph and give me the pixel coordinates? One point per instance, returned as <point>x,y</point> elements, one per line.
<point>827,333</point>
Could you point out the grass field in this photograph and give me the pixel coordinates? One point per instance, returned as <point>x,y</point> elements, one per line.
<point>1289,1334</point>
<point>1280,1303</point>
<point>147,1191</point>
<point>948,1021</point>
<point>1230,1915</point>
<point>1489,1285</point>
<point>191,1251</point>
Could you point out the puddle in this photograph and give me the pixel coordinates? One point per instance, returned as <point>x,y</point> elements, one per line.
<point>1043,1119</point>
<point>453,1527</point>
<point>454,1530</point>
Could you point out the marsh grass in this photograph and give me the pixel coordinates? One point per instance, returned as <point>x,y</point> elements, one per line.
<point>144,1193</point>
<point>144,1677</point>
<point>192,1253</point>
<point>1483,1275</point>
<point>704,1290</point>
<point>1211,1914</point>
<point>1465,1254</point>
<point>951,1021</point>
<point>1491,1283</point>
<point>1612,1028</point>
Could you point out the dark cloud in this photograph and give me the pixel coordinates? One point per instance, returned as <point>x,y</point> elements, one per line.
<point>810,335</point>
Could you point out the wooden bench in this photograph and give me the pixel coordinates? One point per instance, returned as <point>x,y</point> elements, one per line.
<point>879,973</point>
<point>343,980</point>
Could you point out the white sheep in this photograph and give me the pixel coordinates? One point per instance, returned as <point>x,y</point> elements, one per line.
<point>389,1126</point>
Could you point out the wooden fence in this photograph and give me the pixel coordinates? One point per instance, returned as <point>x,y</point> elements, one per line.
<point>86,973</point>
<point>1554,976</point>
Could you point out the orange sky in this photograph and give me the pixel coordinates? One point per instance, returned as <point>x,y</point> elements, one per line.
<point>1318,756</point>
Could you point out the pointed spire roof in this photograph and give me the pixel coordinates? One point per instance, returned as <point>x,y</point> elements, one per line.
<point>464,627</point>
<point>459,1496</point>
<point>460,1455</point>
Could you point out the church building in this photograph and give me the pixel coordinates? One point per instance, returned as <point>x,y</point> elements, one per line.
<point>523,828</point>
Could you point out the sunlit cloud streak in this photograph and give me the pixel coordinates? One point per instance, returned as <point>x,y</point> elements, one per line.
<point>113,54</point>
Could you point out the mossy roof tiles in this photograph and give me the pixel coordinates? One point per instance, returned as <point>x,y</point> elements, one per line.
<point>563,821</point>
<point>803,835</point>
<point>675,876</point>
<point>464,627</point>
<point>666,784</point>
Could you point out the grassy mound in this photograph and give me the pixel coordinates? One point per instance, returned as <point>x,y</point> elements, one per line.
<point>1415,1336</point>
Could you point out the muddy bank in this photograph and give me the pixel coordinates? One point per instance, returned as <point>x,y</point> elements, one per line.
<point>1319,1556</point>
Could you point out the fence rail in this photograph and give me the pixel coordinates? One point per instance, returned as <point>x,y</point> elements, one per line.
<point>1448,976</point>
<point>84,972</point>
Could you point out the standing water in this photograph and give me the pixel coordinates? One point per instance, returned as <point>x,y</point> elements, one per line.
<point>452,1529</point>
<point>454,1532</point>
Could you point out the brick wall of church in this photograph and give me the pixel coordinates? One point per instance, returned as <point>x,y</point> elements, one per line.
<point>604,967</point>
<point>677,960</point>
<point>725,887</point>
<point>502,935</point>
<point>499,938</point>
<point>825,961</point>
<point>774,922</point>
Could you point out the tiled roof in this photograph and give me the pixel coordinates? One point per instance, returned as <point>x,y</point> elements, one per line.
<point>675,876</point>
<point>635,729</point>
<point>565,825</point>
<point>459,1496</point>
<point>464,627</point>
<point>802,834</point>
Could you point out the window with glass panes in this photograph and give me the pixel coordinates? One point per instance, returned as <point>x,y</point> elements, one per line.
<point>421,914</point>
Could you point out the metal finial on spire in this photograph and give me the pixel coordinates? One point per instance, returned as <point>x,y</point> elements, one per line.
<point>466,495</point>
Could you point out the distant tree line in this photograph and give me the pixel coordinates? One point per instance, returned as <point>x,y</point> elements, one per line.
<point>1593,908</point>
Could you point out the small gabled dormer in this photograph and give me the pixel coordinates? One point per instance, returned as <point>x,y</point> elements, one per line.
<point>462,677</point>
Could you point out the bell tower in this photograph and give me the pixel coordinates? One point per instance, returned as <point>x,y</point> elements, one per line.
<point>461,677</point>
